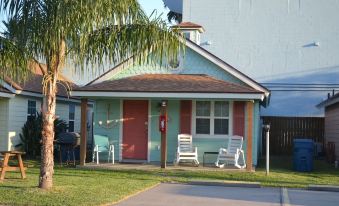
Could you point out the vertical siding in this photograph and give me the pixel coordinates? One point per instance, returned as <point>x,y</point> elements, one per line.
<point>4,124</point>
<point>256,133</point>
<point>100,114</point>
<point>332,126</point>
<point>204,144</point>
<point>172,129</point>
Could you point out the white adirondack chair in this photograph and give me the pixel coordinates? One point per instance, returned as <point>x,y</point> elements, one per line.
<point>232,154</point>
<point>185,150</point>
<point>101,144</point>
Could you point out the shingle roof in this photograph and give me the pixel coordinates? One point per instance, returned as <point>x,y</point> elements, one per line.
<point>187,25</point>
<point>34,82</point>
<point>170,83</point>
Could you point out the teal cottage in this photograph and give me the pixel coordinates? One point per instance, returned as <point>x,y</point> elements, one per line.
<point>202,96</point>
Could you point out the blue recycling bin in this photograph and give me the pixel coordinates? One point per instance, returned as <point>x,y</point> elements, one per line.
<point>303,150</point>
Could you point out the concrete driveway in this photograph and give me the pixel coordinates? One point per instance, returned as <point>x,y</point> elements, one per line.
<point>184,195</point>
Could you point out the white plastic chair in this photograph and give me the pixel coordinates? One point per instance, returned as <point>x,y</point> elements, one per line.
<point>185,150</point>
<point>101,144</point>
<point>232,154</point>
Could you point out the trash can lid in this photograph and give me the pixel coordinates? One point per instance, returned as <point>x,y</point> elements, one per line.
<point>303,140</point>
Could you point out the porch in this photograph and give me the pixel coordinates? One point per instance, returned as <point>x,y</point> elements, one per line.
<point>128,112</point>
<point>156,166</point>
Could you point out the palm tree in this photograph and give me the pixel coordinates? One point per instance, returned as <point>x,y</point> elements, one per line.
<point>85,32</point>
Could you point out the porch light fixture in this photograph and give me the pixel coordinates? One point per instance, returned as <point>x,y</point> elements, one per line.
<point>163,103</point>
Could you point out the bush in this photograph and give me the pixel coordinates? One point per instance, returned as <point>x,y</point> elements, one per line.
<point>31,134</point>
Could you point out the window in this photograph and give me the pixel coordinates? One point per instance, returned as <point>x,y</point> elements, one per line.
<point>31,109</point>
<point>203,115</point>
<point>71,115</point>
<point>212,117</point>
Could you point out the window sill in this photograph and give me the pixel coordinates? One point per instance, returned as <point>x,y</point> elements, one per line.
<point>208,136</point>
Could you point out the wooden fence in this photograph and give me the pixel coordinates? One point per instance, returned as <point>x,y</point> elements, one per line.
<point>285,129</point>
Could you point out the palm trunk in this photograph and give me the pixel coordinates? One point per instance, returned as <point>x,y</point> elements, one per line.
<point>47,157</point>
<point>54,66</point>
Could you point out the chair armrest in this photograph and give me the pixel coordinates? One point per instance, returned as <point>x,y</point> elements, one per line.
<point>96,148</point>
<point>195,149</point>
<point>178,150</point>
<point>222,150</point>
<point>111,147</point>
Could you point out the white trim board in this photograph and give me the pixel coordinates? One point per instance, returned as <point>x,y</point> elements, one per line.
<point>185,95</point>
<point>226,67</point>
<point>7,95</point>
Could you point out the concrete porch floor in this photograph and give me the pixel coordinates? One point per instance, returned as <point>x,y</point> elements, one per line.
<point>156,166</point>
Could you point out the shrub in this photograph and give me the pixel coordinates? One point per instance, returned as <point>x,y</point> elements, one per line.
<point>31,134</point>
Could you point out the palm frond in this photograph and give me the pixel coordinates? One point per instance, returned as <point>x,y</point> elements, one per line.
<point>13,60</point>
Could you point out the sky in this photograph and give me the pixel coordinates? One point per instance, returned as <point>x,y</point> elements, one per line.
<point>148,5</point>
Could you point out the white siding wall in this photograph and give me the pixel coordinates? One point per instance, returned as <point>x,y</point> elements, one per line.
<point>77,118</point>
<point>62,111</point>
<point>3,124</point>
<point>273,41</point>
<point>18,116</point>
<point>332,126</point>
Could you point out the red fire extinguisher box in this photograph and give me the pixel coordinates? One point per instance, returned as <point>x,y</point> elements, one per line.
<point>162,123</point>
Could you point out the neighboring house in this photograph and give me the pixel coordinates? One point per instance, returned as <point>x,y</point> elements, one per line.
<point>331,106</point>
<point>21,100</point>
<point>291,42</point>
<point>206,97</point>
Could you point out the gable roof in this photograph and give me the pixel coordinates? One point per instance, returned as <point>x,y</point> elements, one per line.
<point>169,83</point>
<point>182,86</point>
<point>188,26</point>
<point>33,84</point>
<point>209,56</point>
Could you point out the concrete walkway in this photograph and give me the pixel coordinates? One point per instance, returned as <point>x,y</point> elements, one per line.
<point>198,195</point>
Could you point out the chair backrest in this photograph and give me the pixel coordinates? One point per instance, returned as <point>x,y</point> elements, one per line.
<point>185,142</point>
<point>102,141</point>
<point>234,143</point>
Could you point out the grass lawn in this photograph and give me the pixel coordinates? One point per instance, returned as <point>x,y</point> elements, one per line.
<point>85,187</point>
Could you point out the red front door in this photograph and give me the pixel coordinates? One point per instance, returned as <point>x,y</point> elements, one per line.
<point>135,129</point>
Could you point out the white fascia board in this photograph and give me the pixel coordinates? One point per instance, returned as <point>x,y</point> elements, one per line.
<point>227,68</point>
<point>8,87</point>
<point>33,94</point>
<point>7,95</point>
<point>168,95</point>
